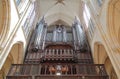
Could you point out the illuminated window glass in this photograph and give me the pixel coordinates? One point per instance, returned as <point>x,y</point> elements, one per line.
<point>28,23</point>
<point>100,2</point>
<point>86,15</point>
<point>18,2</point>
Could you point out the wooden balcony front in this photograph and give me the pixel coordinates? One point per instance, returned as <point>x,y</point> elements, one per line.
<point>33,57</point>
<point>58,77</point>
<point>55,55</point>
<point>57,71</point>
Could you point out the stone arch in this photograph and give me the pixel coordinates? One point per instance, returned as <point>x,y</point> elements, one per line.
<point>66,18</point>
<point>2,74</point>
<point>59,21</point>
<point>109,69</point>
<point>113,74</point>
<point>100,53</point>
<point>17,52</point>
<point>15,57</point>
<point>4,20</point>
<point>113,20</point>
<point>6,67</point>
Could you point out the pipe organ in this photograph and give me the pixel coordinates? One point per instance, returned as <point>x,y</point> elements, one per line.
<point>59,34</point>
<point>58,52</point>
<point>40,35</point>
<point>79,36</point>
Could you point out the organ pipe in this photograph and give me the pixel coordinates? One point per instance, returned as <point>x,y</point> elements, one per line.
<point>64,35</point>
<point>44,36</point>
<point>54,35</point>
<point>40,30</point>
<point>74,37</point>
<point>80,35</point>
<point>31,44</point>
<point>59,34</point>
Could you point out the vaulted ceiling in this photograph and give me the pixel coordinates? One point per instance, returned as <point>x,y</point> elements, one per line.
<point>59,11</point>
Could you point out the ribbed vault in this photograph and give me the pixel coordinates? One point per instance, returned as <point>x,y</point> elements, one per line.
<point>54,10</point>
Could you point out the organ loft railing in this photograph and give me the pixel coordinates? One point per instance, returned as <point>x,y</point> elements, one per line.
<point>52,53</point>
<point>41,71</point>
<point>58,53</point>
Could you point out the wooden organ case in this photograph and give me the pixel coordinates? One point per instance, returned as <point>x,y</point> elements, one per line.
<point>58,52</point>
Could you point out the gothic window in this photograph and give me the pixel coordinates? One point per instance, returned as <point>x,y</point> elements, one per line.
<point>91,28</point>
<point>100,2</point>
<point>18,2</point>
<point>28,23</point>
<point>86,15</point>
<point>88,21</point>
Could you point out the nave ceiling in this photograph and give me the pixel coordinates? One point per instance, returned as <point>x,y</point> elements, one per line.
<point>59,11</point>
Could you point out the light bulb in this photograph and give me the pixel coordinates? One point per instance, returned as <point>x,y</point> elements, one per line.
<point>58,73</point>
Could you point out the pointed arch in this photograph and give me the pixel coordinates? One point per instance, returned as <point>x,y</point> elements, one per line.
<point>54,17</point>
<point>113,21</point>
<point>59,21</point>
<point>109,68</point>
<point>6,67</point>
<point>4,21</point>
<point>17,52</point>
<point>100,53</point>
